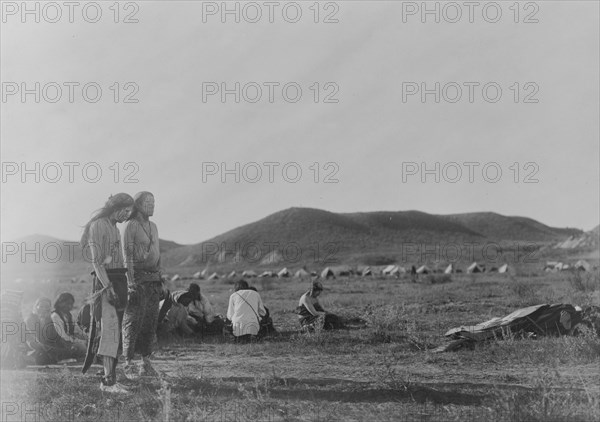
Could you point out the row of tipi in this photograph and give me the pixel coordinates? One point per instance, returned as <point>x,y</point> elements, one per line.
<point>328,272</point>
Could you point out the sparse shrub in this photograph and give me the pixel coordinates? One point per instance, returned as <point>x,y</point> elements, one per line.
<point>586,282</point>
<point>586,344</point>
<point>313,336</point>
<point>550,296</point>
<point>385,321</point>
<point>394,323</point>
<point>525,293</point>
<point>391,376</point>
<point>584,288</point>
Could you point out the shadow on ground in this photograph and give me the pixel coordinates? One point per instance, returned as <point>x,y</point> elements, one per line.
<point>327,389</point>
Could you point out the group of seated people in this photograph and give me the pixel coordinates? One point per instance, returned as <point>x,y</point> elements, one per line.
<point>188,312</point>
<point>52,335</point>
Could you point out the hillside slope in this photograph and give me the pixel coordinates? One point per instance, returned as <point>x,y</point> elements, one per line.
<point>298,235</point>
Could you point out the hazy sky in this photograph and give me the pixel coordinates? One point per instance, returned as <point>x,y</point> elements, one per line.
<point>367,136</point>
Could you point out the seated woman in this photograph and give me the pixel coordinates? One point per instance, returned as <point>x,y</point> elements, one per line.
<point>311,313</point>
<point>266,322</point>
<point>65,328</point>
<point>245,311</point>
<point>41,337</point>
<point>201,315</point>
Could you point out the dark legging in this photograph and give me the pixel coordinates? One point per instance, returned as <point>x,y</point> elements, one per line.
<point>141,318</point>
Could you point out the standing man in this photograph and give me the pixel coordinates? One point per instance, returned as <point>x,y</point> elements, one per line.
<point>101,242</point>
<point>145,285</point>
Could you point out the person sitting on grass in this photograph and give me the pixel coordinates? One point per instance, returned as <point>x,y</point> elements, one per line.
<point>266,322</point>
<point>41,337</point>
<point>245,311</point>
<point>65,328</point>
<point>200,312</point>
<point>311,314</point>
<point>172,317</point>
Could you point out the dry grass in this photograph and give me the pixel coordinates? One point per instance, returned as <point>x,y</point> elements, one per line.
<point>551,398</point>
<point>382,370</point>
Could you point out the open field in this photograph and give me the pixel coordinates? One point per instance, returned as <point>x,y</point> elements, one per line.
<point>380,368</point>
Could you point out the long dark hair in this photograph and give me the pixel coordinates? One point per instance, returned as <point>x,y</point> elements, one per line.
<point>138,200</point>
<point>62,298</point>
<point>66,317</point>
<point>114,203</point>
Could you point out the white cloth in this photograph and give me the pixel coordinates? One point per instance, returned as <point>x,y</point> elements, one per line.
<point>244,306</point>
<point>59,327</point>
<point>110,330</point>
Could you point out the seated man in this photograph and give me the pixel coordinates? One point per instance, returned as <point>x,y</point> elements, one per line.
<point>311,314</point>
<point>65,328</point>
<point>200,312</point>
<point>172,316</point>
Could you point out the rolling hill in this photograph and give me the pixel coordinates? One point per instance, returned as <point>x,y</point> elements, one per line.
<point>588,240</point>
<point>302,235</point>
<point>306,236</point>
<point>496,226</point>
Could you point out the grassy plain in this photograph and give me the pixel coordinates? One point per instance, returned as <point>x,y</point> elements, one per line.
<point>381,368</point>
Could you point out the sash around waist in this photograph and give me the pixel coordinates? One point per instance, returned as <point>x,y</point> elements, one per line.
<point>118,278</point>
<point>145,270</point>
<point>146,276</point>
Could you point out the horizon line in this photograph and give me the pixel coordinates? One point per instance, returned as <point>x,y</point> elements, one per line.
<point>332,212</point>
